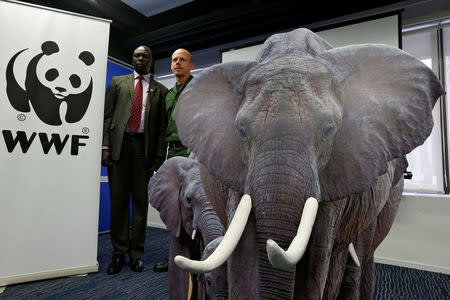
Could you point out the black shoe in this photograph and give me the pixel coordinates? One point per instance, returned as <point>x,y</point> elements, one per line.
<point>161,267</point>
<point>136,265</point>
<point>118,261</point>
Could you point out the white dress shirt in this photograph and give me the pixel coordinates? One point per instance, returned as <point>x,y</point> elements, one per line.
<point>145,84</point>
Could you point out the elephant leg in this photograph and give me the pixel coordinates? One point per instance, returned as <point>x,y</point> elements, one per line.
<point>336,271</point>
<point>312,270</point>
<point>358,283</point>
<point>383,224</point>
<point>367,285</point>
<point>360,278</point>
<point>387,215</point>
<point>178,279</point>
<point>242,264</point>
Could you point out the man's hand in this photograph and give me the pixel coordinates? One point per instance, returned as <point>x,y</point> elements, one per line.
<point>106,158</point>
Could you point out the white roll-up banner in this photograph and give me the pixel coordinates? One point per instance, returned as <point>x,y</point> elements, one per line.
<point>52,89</point>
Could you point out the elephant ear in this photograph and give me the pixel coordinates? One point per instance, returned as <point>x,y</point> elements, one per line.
<point>387,98</point>
<point>164,191</point>
<point>299,42</point>
<point>205,115</point>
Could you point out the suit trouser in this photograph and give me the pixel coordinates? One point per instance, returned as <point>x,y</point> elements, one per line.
<point>129,176</point>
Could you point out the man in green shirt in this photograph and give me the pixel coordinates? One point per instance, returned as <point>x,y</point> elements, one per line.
<point>181,66</point>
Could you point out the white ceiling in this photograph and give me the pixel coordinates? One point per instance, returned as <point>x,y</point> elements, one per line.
<point>152,7</point>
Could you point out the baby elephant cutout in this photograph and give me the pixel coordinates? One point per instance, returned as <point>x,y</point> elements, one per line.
<point>214,284</point>
<point>177,193</point>
<point>46,96</point>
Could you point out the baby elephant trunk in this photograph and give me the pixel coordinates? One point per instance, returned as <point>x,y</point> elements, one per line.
<point>209,224</point>
<point>226,247</point>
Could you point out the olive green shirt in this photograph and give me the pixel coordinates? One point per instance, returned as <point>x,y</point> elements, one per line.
<point>172,131</point>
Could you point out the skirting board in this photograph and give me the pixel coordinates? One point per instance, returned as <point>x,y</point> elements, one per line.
<point>156,225</point>
<point>4,281</point>
<point>381,260</point>
<point>412,265</point>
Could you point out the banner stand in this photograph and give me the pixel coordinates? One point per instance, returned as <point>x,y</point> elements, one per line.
<point>45,275</point>
<point>52,89</point>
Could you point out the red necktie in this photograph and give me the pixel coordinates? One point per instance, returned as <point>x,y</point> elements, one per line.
<point>136,108</point>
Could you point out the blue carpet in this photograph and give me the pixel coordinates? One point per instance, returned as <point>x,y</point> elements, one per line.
<point>124,285</point>
<point>396,283</point>
<point>391,282</point>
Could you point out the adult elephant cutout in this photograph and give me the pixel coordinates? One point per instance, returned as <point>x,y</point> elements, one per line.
<point>177,193</point>
<point>305,122</point>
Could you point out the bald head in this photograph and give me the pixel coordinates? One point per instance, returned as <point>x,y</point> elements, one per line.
<point>183,52</point>
<point>181,65</point>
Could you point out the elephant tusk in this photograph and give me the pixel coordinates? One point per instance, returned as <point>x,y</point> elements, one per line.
<point>287,259</point>
<point>352,251</point>
<point>226,246</point>
<point>194,233</point>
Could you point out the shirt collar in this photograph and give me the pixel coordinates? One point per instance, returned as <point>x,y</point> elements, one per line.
<point>179,86</point>
<point>146,76</point>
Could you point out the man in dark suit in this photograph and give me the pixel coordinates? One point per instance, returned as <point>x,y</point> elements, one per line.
<point>133,147</point>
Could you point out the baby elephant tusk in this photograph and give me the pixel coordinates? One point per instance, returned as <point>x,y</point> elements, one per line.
<point>194,232</point>
<point>287,259</point>
<point>226,247</point>
<point>352,251</point>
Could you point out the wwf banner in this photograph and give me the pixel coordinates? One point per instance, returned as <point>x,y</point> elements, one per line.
<point>52,86</point>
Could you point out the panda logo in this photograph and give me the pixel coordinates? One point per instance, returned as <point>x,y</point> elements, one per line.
<point>53,86</point>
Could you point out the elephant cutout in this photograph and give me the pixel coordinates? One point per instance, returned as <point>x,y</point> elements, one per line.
<point>313,138</point>
<point>175,190</point>
<point>214,284</point>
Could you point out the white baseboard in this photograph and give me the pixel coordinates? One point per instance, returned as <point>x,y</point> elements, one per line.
<point>411,264</point>
<point>4,281</point>
<point>156,225</point>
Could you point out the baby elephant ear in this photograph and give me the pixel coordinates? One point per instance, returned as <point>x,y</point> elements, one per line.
<point>164,190</point>
<point>387,98</point>
<point>205,115</point>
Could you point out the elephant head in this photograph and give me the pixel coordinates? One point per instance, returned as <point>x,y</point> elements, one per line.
<point>299,128</point>
<point>213,284</point>
<point>177,193</point>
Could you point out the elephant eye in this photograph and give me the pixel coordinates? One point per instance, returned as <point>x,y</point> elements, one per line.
<point>208,281</point>
<point>189,200</point>
<point>328,130</point>
<point>242,133</point>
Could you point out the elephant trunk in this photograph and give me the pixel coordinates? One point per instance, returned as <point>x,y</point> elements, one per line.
<point>284,217</point>
<point>209,223</point>
<point>226,247</point>
<point>287,259</point>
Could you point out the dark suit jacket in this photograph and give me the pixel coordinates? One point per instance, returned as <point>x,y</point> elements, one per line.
<point>118,102</point>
